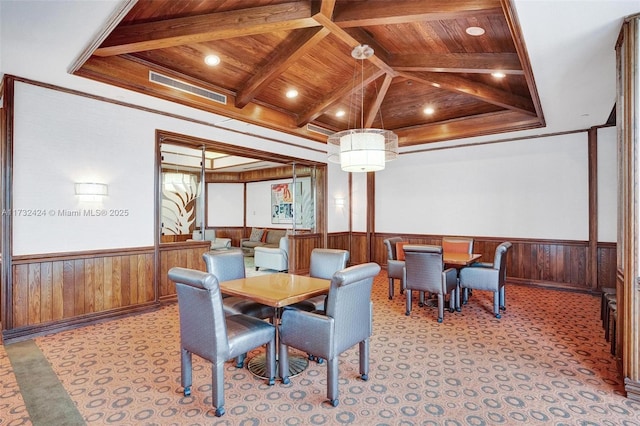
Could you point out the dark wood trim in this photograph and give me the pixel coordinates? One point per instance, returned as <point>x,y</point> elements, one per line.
<point>592,257</point>
<point>6,286</point>
<point>29,332</point>
<point>371,213</point>
<point>89,254</point>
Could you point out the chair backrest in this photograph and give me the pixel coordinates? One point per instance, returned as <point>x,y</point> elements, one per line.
<point>203,329</point>
<point>326,262</point>
<point>457,245</point>
<point>225,265</point>
<point>349,304</point>
<point>500,261</point>
<point>391,247</point>
<point>424,266</point>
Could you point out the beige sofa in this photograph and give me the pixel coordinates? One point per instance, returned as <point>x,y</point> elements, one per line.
<point>262,238</point>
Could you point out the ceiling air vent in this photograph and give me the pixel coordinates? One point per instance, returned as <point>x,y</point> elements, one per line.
<point>185,87</point>
<point>318,129</point>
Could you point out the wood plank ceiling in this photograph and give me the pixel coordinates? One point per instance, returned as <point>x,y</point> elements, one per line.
<point>423,58</point>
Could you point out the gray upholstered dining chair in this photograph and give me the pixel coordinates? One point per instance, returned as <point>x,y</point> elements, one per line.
<point>206,331</point>
<point>347,321</point>
<point>323,264</point>
<point>394,265</point>
<point>424,271</point>
<point>489,276</point>
<point>229,265</point>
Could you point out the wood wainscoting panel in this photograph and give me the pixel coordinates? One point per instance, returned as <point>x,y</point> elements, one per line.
<point>300,247</point>
<point>185,255</point>
<point>340,241</point>
<point>56,288</point>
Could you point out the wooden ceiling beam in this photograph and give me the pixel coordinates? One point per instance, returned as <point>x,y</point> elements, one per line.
<point>469,126</point>
<point>212,26</point>
<point>375,106</point>
<point>316,110</point>
<point>479,91</point>
<point>484,63</point>
<point>352,42</point>
<point>297,44</point>
<point>358,14</point>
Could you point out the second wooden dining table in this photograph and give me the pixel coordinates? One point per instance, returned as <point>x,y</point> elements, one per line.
<point>276,290</point>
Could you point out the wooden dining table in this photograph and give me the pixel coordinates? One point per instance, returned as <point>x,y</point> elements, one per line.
<point>276,290</point>
<point>458,260</point>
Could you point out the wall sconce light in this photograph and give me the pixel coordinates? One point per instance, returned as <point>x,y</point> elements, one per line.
<point>339,201</point>
<point>90,190</point>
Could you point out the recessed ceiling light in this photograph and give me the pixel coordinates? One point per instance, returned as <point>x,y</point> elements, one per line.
<point>498,74</point>
<point>292,93</point>
<point>212,60</point>
<point>429,110</point>
<point>340,113</point>
<point>475,31</point>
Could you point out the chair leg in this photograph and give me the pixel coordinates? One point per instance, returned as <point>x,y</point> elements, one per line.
<point>458,303</point>
<point>496,303</point>
<point>271,362</point>
<point>503,303</point>
<point>332,380</point>
<point>364,359</point>
<point>283,363</point>
<point>217,387</point>
<point>185,371</point>
<point>452,301</point>
<point>440,307</point>
<point>240,360</point>
<point>408,303</point>
<point>391,288</point>
<point>421,299</point>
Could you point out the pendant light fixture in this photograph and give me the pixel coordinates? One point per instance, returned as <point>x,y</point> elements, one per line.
<point>362,149</point>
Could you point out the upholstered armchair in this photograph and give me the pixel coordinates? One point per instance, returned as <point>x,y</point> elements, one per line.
<point>229,265</point>
<point>424,271</point>
<point>206,331</point>
<point>210,235</point>
<point>489,277</point>
<point>323,264</point>
<point>272,257</point>
<point>395,266</point>
<point>348,321</point>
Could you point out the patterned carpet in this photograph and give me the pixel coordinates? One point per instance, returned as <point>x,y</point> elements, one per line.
<point>545,362</point>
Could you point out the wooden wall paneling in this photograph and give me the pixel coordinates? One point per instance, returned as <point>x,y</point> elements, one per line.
<point>57,299</point>
<point>46,291</point>
<point>359,248</point>
<point>185,255</point>
<point>33,297</point>
<point>300,247</point>
<point>340,241</point>
<point>56,290</point>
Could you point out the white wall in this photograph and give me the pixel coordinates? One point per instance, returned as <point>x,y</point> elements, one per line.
<point>534,188</point>
<point>225,204</point>
<point>337,187</point>
<point>607,184</point>
<point>62,138</point>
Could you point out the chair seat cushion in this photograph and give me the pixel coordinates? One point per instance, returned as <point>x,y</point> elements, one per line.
<point>233,305</point>
<point>245,333</point>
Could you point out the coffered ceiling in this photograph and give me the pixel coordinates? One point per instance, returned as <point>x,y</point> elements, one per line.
<point>431,77</point>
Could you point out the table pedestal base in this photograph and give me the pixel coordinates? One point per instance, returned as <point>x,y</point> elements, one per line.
<point>258,365</point>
